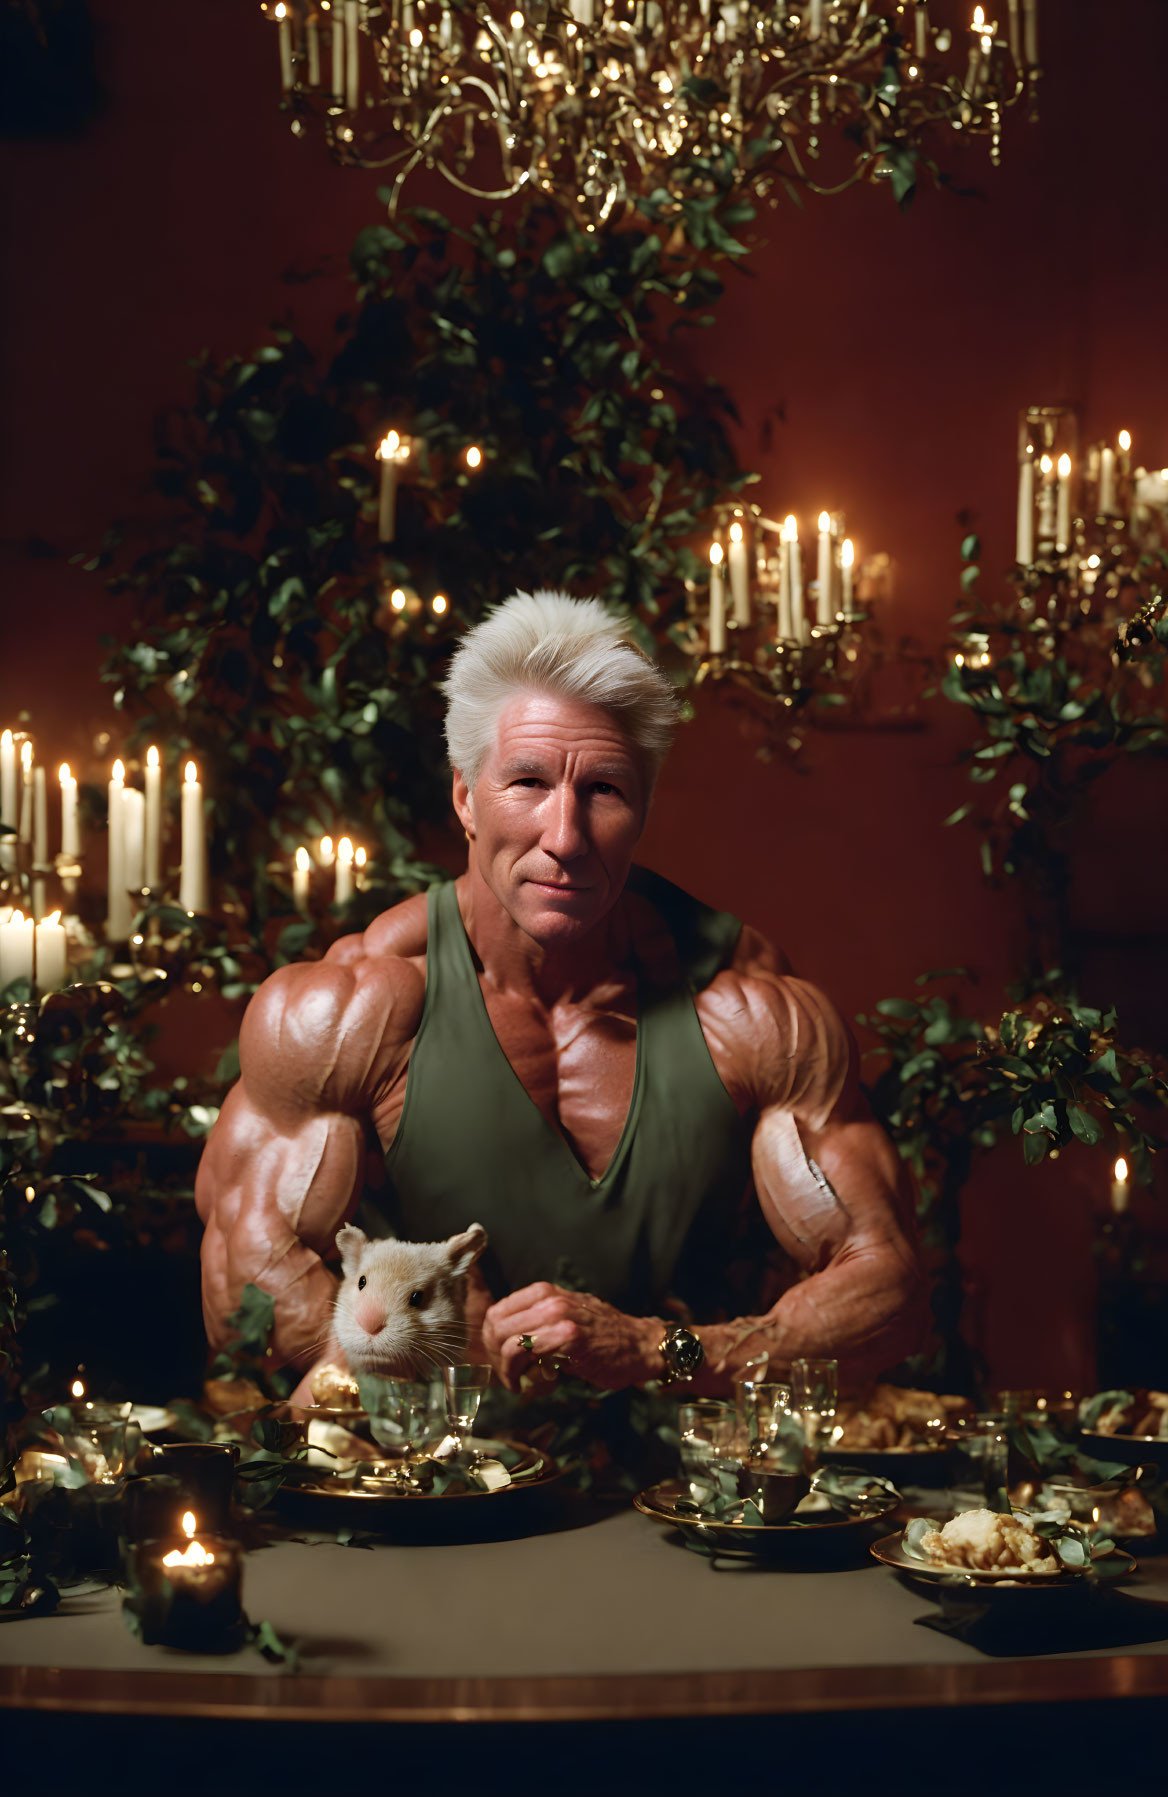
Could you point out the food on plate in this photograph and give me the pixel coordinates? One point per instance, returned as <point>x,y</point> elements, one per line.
<point>229,1397</point>
<point>891,1419</point>
<point>335,1387</point>
<point>1137,1412</point>
<point>986,1541</point>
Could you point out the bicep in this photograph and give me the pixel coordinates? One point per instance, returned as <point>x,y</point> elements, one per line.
<point>832,1189</point>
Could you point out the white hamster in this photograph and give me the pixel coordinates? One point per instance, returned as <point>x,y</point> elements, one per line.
<point>400,1310</point>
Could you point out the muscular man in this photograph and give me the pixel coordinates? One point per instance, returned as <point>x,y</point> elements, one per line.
<point>631,1092</point>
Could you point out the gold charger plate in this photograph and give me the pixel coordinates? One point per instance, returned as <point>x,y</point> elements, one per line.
<point>889,1550</point>
<point>795,1536</point>
<point>533,1469</point>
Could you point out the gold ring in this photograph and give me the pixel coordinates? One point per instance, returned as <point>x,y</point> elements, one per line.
<point>527,1343</point>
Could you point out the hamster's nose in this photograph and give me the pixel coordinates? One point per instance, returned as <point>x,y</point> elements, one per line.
<point>370,1313</point>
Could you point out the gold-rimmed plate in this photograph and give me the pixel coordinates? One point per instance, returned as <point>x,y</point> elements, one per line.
<point>811,1528</point>
<point>363,1489</point>
<point>890,1551</point>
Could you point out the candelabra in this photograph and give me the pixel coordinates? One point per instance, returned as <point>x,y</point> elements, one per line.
<point>602,105</point>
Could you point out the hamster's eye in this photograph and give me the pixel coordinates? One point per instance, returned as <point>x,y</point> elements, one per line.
<point>361,1283</point>
<point>417,1299</point>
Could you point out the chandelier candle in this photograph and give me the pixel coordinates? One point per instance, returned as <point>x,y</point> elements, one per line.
<point>1025,543</point>
<point>717,602</point>
<point>117,926</point>
<point>352,56</point>
<point>343,891</point>
<point>795,578</point>
<point>26,790</point>
<point>153,847</point>
<point>824,603</point>
<point>847,560</point>
<point>52,958</point>
<point>70,832</point>
<point>133,839</point>
<point>1063,523</point>
<point>300,877</point>
<point>391,450</point>
<point>312,45</point>
<point>338,41</point>
<point>1046,501</point>
<point>8,807</point>
<point>284,24</point>
<point>739,567</point>
<point>192,895</point>
<point>40,837</point>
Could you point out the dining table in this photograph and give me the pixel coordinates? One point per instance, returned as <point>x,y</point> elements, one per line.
<point>579,1645</point>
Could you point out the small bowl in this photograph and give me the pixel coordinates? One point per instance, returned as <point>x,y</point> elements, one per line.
<point>776,1493</point>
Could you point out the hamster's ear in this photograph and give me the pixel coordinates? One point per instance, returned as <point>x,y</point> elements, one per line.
<point>463,1250</point>
<point>352,1242</point>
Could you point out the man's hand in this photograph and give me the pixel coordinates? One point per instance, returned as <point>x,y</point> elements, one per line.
<point>594,1341</point>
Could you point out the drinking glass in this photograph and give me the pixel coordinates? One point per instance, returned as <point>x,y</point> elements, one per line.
<point>465,1386</point>
<point>982,1450</point>
<point>95,1435</point>
<point>815,1395</point>
<point>707,1427</point>
<point>763,1405</point>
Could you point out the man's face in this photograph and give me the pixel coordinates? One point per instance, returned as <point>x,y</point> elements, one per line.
<point>555,815</point>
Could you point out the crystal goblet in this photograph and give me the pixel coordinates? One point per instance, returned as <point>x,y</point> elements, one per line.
<point>465,1386</point>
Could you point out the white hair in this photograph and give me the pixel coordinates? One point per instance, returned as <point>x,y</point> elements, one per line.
<point>547,642</point>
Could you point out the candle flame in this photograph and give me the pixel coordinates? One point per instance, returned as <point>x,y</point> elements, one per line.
<point>190,1522</point>
<point>474,456</point>
<point>191,774</point>
<point>153,758</point>
<point>326,848</point>
<point>387,449</point>
<point>715,555</point>
<point>1121,1168</point>
<point>26,754</point>
<point>64,775</point>
<point>281,10</point>
<point>193,1554</point>
<point>360,857</point>
<point>302,860</point>
<point>978,18</point>
<point>54,917</point>
<point>825,520</point>
<point>78,1388</point>
<point>736,532</point>
<point>345,851</point>
<point>1046,464</point>
<point>847,552</point>
<point>397,599</point>
<point>440,603</point>
<point>790,531</point>
<point>1064,466</point>
<point>119,773</point>
<point>6,739</point>
<point>1125,441</point>
<point>987,44</point>
<point>517,21</point>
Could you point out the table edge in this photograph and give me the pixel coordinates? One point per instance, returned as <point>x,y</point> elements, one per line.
<point>647,1696</point>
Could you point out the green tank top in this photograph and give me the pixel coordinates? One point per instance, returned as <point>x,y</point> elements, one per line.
<point>664,1220</point>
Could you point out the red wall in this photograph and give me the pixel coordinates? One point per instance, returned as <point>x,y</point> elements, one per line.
<point>898,349</point>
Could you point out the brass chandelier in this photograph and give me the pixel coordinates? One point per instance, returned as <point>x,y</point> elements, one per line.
<point>662,102</point>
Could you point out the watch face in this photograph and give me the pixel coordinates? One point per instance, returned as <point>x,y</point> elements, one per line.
<point>685,1351</point>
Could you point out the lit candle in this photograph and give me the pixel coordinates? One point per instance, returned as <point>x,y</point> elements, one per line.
<point>192,893</point>
<point>783,618</point>
<point>977,29</point>
<point>344,886</point>
<point>388,450</point>
<point>847,560</point>
<point>474,455</point>
<point>300,877</point>
<point>1063,524</point>
<point>326,854</point>
<point>284,25</point>
<point>1025,537</point>
<point>1106,481</point>
<point>26,791</point>
<point>40,837</point>
<point>1046,500</point>
<point>51,954</point>
<point>133,839</point>
<point>352,53</point>
<point>9,810</point>
<point>359,860</point>
<point>921,29</point>
<point>1120,1189</point>
<point>441,605</point>
<point>1123,463</point>
<point>16,945</point>
<point>312,44</point>
<point>70,830</point>
<point>153,849</point>
<point>825,596</point>
<point>117,927</point>
<point>717,602</point>
<point>738,562</point>
<point>795,577</point>
<point>190,1596</point>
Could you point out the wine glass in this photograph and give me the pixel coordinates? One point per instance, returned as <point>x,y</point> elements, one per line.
<point>815,1395</point>
<point>465,1386</point>
<point>707,1427</point>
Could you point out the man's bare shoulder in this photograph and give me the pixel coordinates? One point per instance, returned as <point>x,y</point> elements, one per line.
<point>777,1039</point>
<point>326,1034</point>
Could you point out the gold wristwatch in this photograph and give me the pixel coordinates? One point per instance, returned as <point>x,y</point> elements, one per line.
<point>682,1353</point>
